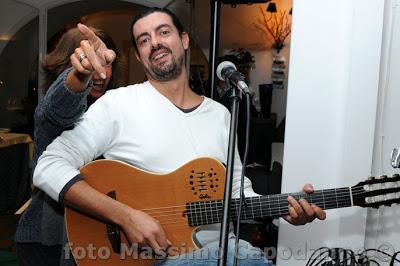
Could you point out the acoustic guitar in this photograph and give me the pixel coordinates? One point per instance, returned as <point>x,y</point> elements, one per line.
<point>185,199</point>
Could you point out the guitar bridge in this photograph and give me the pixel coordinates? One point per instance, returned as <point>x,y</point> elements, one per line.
<point>113,233</point>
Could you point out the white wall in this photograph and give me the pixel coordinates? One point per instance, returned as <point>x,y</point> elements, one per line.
<point>331,111</point>
<point>383,226</point>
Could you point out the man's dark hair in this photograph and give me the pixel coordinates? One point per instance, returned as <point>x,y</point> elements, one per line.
<point>144,13</point>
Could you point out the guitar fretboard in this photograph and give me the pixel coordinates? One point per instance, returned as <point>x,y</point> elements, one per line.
<point>209,212</point>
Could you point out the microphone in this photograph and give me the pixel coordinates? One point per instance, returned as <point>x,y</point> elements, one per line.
<point>227,70</point>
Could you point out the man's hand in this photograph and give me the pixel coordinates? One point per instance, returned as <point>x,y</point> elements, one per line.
<point>301,212</point>
<point>139,227</point>
<point>142,229</point>
<point>92,54</point>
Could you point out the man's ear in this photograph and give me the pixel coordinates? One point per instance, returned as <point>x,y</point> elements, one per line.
<point>185,40</point>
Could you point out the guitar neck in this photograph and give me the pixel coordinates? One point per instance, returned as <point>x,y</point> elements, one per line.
<point>209,212</point>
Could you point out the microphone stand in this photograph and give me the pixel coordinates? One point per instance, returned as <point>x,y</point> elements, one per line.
<point>235,97</point>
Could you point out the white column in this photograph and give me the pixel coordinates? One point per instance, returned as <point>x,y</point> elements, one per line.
<point>331,112</point>
<point>383,231</point>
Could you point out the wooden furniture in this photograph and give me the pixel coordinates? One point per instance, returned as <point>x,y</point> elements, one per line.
<point>15,156</point>
<point>8,139</point>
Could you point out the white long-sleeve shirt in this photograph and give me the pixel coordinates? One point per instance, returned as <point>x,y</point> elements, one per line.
<point>140,126</point>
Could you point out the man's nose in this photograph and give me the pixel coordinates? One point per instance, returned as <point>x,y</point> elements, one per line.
<point>155,41</point>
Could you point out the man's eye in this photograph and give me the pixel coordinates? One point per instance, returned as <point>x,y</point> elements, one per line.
<point>164,32</point>
<point>143,41</point>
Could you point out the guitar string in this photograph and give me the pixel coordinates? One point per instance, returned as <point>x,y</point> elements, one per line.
<point>216,218</point>
<point>257,205</point>
<point>263,199</point>
<point>268,199</point>
<point>247,212</point>
<point>217,206</point>
<point>276,211</point>
<point>213,217</point>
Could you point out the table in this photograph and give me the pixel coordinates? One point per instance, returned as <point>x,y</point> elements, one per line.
<point>15,174</point>
<point>8,139</point>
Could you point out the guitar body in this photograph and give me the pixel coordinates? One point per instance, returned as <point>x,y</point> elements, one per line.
<point>186,198</point>
<point>163,196</point>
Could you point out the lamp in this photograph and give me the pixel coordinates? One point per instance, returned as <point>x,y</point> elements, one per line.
<point>234,3</point>
<point>271,8</point>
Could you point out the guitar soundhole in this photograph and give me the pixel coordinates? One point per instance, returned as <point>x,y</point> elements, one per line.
<point>203,183</point>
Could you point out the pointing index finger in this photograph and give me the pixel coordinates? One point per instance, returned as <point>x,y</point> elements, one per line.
<point>89,35</point>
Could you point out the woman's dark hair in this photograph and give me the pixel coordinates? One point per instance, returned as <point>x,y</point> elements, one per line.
<point>59,59</point>
<point>144,13</point>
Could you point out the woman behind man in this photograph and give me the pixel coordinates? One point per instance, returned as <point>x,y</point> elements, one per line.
<point>40,234</point>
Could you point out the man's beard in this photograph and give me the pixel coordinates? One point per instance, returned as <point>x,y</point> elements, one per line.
<point>165,72</point>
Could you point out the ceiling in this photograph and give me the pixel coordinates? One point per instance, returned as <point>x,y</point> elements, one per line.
<point>52,3</point>
<point>16,13</point>
<point>237,27</point>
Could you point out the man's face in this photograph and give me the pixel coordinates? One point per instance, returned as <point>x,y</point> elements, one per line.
<point>161,49</point>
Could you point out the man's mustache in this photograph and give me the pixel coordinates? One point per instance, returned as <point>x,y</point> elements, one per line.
<point>155,49</point>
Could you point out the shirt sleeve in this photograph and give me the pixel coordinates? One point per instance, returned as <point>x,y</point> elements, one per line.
<point>60,107</point>
<point>92,135</point>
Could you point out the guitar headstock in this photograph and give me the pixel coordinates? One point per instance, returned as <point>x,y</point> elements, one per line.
<point>376,192</point>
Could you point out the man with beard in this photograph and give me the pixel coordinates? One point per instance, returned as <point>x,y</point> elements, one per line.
<point>157,126</point>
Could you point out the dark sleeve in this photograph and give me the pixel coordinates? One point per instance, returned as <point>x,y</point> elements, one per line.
<point>60,107</point>
<point>67,187</point>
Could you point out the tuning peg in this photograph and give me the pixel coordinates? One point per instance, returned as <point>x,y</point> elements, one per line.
<point>395,175</point>
<point>371,178</point>
<point>383,177</point>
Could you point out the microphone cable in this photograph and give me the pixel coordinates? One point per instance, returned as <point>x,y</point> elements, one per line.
<point>242,196</point>
<point>347,257</point>
<point>394,258</point>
